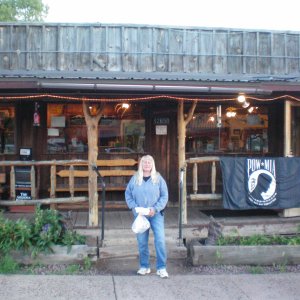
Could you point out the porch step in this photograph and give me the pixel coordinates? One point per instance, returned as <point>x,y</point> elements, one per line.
<point>121,243</point>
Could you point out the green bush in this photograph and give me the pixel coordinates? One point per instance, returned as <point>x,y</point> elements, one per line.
<point>259,240</point>
<point>14,235</point>
<point>38,235</point>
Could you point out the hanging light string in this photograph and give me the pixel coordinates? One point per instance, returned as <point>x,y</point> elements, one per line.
<point>147,98</point>
<point>123,99</point>
<point>284,97</point>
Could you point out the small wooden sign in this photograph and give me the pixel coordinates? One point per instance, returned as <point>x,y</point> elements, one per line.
<point>161,129</point>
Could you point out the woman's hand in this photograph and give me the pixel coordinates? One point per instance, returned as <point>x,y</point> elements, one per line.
<point>151,212</point>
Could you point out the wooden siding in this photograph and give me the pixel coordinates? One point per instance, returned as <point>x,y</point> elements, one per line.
<point>134,48</point>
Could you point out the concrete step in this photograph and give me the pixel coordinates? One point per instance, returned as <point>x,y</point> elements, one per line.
<point>130,250</point>
<point>121,243</point>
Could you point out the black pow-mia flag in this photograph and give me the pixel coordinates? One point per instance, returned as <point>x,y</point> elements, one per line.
<point>260,183</point>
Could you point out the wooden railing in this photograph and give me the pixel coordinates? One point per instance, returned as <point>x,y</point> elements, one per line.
<point>34,177</point>
<point>195,195</point>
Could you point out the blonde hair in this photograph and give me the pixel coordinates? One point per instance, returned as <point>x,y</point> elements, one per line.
<point>139,174</point>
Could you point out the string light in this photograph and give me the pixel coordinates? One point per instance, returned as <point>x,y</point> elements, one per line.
<point>146,98</point>
<point>83,99</point>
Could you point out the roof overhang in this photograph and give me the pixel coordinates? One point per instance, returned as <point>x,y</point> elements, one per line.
<point>262,88</point>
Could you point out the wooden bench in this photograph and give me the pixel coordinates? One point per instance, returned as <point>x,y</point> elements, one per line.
<point>74,178</point>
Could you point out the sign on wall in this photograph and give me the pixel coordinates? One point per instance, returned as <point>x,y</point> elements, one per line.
<point>161,130</point>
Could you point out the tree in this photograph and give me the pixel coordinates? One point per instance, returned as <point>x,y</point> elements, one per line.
<point>22,10</point>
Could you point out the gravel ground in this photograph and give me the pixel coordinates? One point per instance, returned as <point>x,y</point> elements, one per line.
<point>128,267</point>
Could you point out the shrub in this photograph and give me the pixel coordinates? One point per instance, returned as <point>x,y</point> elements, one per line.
<point>256,240</point>
<point>38,235</point>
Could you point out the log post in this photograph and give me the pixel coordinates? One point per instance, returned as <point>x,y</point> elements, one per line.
<point>288,212</point>
<point>195,178</point>
<point>92,121</point>
<point>12,183</point>
<point>33,181</point>
<point>213,177</point>
<point>182,121</point>
<point>71,181</point>
<point>53,182</point>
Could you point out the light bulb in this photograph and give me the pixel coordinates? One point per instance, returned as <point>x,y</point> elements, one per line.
<point>245,104</point>
<point>241,98</point>
<point>125,105</point>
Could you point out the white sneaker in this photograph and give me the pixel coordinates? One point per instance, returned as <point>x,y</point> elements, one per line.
<point>143,271</point>
<point>162,273</point>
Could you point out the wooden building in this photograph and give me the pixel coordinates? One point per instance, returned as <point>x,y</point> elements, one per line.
<point>149,79</point>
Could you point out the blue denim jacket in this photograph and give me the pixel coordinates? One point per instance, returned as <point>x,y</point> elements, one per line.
<point>147,194</point>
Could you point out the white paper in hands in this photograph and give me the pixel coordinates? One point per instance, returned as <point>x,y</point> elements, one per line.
<point>142,210</point>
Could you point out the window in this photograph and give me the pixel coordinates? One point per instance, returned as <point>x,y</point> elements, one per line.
<point>7,129</point>
<point>120,130</point>
<point>241,131</point>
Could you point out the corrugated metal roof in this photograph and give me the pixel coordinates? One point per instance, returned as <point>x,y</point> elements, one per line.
<point>160,76</point>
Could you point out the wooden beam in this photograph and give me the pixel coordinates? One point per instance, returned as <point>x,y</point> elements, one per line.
<point>201,160</point>
<point>203,197</point>
<point>104,173</point>
<point>43,201</point>
<point>117,162</point>
<point>110,162</point>
<point>20,163</point>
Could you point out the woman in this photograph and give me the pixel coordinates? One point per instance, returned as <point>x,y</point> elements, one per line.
<point>148,189</point>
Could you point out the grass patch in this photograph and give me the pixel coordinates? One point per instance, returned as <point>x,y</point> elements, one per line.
<point>256,270</point>
<point>8,265</point>
<point>72,269</point>
<point>87,263</point>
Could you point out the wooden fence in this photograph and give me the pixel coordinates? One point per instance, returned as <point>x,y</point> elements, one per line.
<point>69,164</point>
<point>195,195</point>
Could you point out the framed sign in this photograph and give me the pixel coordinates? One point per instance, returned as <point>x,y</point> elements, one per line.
<point>161,130</point>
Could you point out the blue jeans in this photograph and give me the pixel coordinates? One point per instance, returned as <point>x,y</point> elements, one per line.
<point>157,226</point>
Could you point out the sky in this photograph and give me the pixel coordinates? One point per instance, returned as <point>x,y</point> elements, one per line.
<point>251,14</point>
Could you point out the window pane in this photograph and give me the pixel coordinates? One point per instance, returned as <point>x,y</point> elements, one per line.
<point>121,130</point>
<point>7,129</point>
<point>241,131</point>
